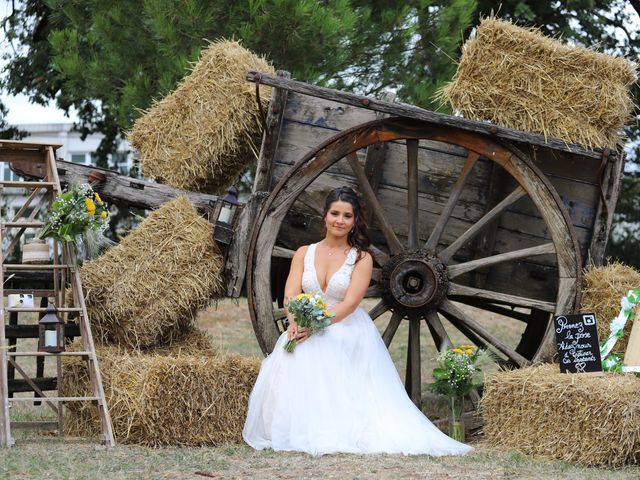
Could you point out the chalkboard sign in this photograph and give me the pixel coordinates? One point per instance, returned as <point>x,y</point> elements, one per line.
<point>577,342</point>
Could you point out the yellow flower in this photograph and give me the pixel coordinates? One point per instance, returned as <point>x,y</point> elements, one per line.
<point>466,347</point>
<point>103,214</point>
<point>457,350</point>
<point>98,199</point>
<point>91,207</point>
<point>469,351</point>
<point>327,313</point>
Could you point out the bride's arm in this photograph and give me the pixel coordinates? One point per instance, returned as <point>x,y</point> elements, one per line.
<point>360,279</point>
<point>294,286</point>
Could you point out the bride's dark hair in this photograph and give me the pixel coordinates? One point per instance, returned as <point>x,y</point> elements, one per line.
<point>359,235</point>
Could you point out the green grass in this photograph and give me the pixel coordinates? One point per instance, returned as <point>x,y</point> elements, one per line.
<point>37,456</point>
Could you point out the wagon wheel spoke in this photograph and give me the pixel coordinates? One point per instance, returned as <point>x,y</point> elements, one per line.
<point>373,291</point>
<point>413,379</point>
<point>483,333</point>
<point>438,333</point>
<point>487,218</point>
<point>374,204</point>
<point>378,255</point>
<point>499,309</point>
<point>412,192</point>
<point>447,210</point>
<point>459,269</point>
<point>488,295</point>
<point>392,328</point>
<point>375,274</point>
<point>378,310</point>
<point>283,252</point>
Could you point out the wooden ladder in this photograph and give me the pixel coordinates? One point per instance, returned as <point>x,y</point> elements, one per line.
<point>61,273</point>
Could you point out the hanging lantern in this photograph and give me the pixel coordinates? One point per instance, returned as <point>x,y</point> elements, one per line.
<point>229,206</point>
<point>51,330</point>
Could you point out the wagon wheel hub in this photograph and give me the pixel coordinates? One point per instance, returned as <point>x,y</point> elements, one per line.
<point>412,282</point>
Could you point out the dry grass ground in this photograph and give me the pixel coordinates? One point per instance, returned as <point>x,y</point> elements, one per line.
<point>44,456</point>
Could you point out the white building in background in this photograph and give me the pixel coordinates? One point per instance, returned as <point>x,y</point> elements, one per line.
<point>73,149</point>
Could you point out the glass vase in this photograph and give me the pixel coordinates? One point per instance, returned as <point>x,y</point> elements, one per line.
<point>456,423</point>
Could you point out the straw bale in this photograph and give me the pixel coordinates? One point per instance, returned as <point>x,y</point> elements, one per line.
<point>170,399</point>
<point>203,135</point>
<point>147,290</point>
<point>573,417</point>
<point>521,79</point>
<point>602,291</point>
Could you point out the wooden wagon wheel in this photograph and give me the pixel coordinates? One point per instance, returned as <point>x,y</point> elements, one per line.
<point>418,281</point>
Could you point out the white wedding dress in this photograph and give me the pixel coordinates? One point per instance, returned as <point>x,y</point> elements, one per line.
<point>339,391</point>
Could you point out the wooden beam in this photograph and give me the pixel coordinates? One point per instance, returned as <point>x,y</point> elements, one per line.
<point>124,190</point>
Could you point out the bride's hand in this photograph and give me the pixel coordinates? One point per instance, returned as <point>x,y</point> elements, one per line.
<point>303,334</point>
<point>292,330</point>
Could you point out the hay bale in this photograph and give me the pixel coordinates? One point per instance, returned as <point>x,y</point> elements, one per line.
<point>521,79</point>
<point>578,418</point>
<point>168,399</point>
<point>202,136</point>
<point>602,290</point>
<point>147,289</point>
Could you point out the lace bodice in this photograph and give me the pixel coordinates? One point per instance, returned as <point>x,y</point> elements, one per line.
<point>337,285</point>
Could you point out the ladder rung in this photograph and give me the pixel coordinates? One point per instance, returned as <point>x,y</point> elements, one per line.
<point>31,291</point>
<point>53,399</point>
<point>35,425</point>
<point>25,266</point>
<point>22,224</point>
<point>41,309</point>
<point>26,184</point>
<point>49,354</point>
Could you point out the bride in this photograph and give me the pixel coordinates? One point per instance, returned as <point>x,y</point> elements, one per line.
<point>339,391</point>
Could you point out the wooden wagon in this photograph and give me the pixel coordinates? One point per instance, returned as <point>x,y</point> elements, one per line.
<point>461,212</point>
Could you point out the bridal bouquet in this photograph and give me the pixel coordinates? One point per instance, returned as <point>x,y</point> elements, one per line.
<point>77,213</point>
<point>310,312</point>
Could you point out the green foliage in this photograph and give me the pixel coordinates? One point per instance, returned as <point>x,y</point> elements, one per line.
<point>310,312</point>
<point>624,237</point>
<point>73,213</point>
<point>458,371</point>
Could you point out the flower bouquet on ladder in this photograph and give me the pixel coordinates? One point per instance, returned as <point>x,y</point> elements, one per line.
<point>78,215</point>
<point>310,311</point>
<point>458,372</point>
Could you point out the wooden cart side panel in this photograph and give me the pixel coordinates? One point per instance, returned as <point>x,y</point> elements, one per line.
<point>310,120</point>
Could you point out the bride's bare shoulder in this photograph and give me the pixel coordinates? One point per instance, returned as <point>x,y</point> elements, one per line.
<point>302,251</point>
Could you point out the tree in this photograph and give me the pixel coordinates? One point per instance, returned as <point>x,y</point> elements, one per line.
<point>111,59</point>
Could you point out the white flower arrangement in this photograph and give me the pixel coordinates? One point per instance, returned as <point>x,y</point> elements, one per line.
<point>612,361</point>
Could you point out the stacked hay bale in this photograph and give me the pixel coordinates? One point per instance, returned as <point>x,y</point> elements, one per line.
<point>179,395</point>
<point>602,291</point>
<point>520,79</point>
<point>572,417</point>
<point>164,382</point>
<point>203,135</point>
<point>148,288</point>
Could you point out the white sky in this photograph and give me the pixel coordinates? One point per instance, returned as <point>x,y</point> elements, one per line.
<point>20,109</point>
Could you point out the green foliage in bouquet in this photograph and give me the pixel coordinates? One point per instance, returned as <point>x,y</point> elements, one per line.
<point>458,371</point>
<point>74,213</point>
<point>310,312</point>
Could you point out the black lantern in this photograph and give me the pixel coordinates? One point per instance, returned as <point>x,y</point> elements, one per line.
<point>228,209</point>
<point>51,329</point>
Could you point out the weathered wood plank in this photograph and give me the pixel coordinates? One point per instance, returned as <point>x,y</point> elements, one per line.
<point>270,138</point>
<point>418,113</point>
<point>236,262</point>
